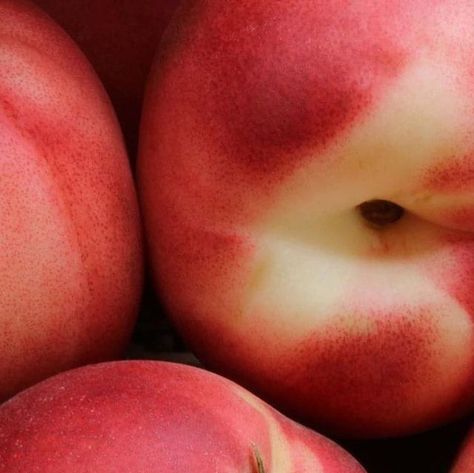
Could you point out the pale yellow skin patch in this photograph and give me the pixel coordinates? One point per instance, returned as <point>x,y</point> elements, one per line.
<point>315,252</point>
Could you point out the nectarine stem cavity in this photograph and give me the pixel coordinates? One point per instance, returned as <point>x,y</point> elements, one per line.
<point>381,212</point>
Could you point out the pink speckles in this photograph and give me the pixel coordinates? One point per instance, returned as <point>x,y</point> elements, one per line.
<point>259,90</point>
<point>357,382</point>
<point>215,261</point>
<point>455,175</point>
<point>373,372</point>
<point>71,250</point>
<point>274,84</point>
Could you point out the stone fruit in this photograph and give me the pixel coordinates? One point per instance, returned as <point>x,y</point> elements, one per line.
<point>307,180</point>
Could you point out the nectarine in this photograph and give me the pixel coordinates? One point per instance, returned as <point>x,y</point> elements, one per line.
<point>307,180</point>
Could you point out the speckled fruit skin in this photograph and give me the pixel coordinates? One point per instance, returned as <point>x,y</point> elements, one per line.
<point>71,263</point>
<point>465,461</point>
<point>119,37</point>
<point>266,125</point>
<point>144,416</point>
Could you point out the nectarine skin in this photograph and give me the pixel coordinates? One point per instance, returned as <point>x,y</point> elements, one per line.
<point>266,126</point>
<point>71,262</point>
<point>146,416</point>
<point>119,38</point>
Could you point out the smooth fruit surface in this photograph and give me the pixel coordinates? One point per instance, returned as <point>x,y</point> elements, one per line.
<point>307,180</point>
<point>144,417</point>
<point>70,264</point>
<point>119,37</point>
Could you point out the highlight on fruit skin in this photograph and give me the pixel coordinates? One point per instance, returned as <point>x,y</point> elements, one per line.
<point>465,460</point>
<point>70,239</point>
<point>306,177</point>
<point>145,416</point>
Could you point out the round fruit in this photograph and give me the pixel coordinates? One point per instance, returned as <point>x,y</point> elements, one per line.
<point>307,180</point>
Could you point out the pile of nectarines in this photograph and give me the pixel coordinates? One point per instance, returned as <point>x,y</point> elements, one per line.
<point>305,174</point>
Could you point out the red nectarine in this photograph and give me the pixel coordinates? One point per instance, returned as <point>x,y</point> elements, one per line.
<point>307,180</point>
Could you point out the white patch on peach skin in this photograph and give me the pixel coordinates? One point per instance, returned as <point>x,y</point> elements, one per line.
<point>313,243</point>
<point>314,253</point>
<point>307,291</point>
<point>315,217</point>
<point>280,449</point>
<point>419,119</point>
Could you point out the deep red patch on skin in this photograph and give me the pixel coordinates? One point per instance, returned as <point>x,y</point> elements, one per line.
<point>273,83</point>
<point>452,272</point>
<point>346,383</point>
<point>358,385</point>
<point>240,92</point>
